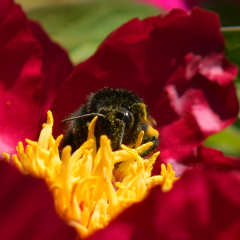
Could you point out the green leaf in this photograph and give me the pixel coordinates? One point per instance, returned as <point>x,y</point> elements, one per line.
<point>81,27</point>
<point>28,5</point>
<point>227,141</point>
<point>228,11</point>
<point>237,83</point>
<point>232,47</point>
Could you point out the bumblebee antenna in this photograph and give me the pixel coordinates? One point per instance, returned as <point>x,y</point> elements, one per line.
<point>82,116</point>
<point>121,138</point>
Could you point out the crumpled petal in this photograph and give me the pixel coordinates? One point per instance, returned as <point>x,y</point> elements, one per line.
<point>176,63</point>
<point>201,205</point>
<point>29,77</point>
<point>27,209</point>
<point>202,157</point>
<point>210,158</point>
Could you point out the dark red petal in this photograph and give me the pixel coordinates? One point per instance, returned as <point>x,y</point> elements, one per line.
<point>20,78</point>
<point>176,64</point>
<point>202,157</point>
<point>56,66</point>
<point>27,210</point>
<point>210,158</point>
<point>201,205</point>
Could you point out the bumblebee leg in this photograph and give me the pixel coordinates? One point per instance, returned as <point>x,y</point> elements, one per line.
<point>69,139</point>
<point>154,140</point>
<point>74,138</point>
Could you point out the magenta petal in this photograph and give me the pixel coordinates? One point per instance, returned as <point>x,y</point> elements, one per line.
<point>182,4</point>
<point>30,76</point>
<point>201,205</point>
<point>20,78</point>
<point>27,210</point>
<point>56,66</point>
<point>168,5</point>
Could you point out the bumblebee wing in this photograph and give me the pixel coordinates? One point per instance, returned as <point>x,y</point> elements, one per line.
<point>152,121</point>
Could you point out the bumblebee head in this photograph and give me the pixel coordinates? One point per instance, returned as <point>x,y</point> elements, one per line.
<point>116,124</point>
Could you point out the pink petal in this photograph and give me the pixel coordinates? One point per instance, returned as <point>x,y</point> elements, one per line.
<point>182,4</point>
<point>168,5</point>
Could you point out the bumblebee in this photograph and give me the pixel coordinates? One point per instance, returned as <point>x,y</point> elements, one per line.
<point>122,115</point>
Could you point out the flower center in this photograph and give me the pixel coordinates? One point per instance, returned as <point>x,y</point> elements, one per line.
<point>90,187</point>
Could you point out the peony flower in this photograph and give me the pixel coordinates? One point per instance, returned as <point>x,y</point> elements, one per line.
<point>176,64</point>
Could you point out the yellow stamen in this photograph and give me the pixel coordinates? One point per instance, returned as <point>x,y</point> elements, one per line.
<point>168,177</point>
<point>90,188</point>
<point>139,139</point>
<point>6,157</point>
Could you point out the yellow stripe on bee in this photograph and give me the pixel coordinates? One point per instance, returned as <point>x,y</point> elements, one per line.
<point>151,131</point>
